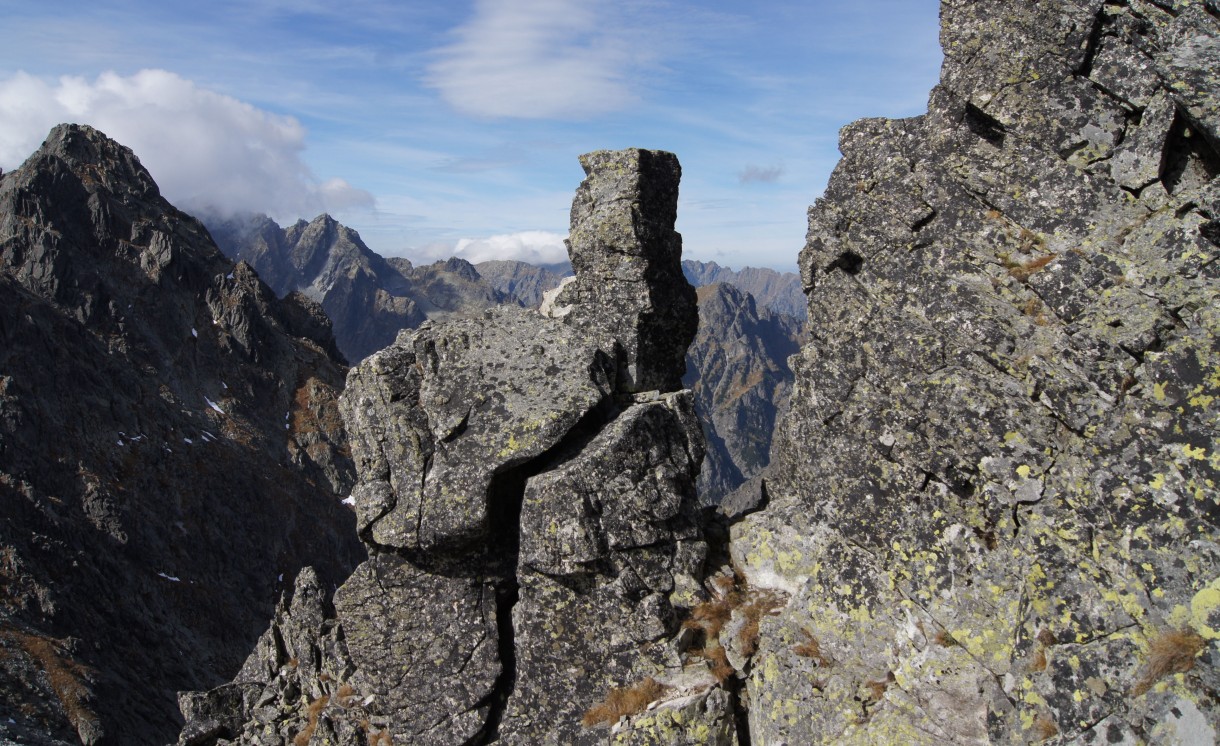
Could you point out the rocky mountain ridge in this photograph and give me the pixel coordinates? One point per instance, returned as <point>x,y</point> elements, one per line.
<point>737,364</point>
<point>778,292</point>
<point>170,450</point>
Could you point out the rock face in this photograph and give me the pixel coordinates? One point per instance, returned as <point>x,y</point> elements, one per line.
<point>778,292</point>
<point>530,513</point>
<point>995,499</point>
<point>368,298</point>
<point>170,447</point>
<point>622,215</point>
<point>738,370</point>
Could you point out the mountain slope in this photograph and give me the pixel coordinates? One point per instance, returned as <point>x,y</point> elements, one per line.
<point>737,368</point>
<point>779,292</point>
<point>169,448</point>
<point>368,298</point>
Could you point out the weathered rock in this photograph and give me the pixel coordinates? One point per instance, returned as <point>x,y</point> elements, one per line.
<point>628,263</point>
<point>994,496</point>
<point>610,545</point>
<point>437,416</point>
<point>170,447</point>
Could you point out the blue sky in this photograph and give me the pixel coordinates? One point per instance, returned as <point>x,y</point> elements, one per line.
<point>435,127</point>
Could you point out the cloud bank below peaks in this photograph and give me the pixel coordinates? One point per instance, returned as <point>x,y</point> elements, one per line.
<point>540,59</point>
<point>209,152</point>
<point>534,247</point>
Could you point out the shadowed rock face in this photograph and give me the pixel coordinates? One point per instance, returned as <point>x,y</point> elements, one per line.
<point>628,263</point>
<point>994,497</point>
<point>531,514</point>
<point>170,448</point>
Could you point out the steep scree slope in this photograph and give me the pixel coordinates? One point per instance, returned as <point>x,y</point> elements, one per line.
<point>170,446</point>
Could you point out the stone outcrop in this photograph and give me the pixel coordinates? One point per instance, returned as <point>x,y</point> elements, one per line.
<point>737,368</point>
<point>995,496</point>
<point>369,298</point>
<point>170,449</point>
<point>531,514</point>
<point>620,219</point>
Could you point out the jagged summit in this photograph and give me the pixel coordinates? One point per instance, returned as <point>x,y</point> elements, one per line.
<point>169,448</point>
<point>369,298</point>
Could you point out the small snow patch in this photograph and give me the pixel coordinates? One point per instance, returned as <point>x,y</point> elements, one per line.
<point>188,441</point>
<point>170,578</point>
<point>213,405</point>
<point>350,501</point>
<point>194,333</point>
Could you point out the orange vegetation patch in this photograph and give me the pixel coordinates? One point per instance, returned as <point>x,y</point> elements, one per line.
<point>624,701</point>
<point>313,712</point>
<point>1172,651</point>
<point>66,676</point>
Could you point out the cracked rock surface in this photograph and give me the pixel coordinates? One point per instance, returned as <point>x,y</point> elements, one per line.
<point>527,495</point>
<point>994,499</point>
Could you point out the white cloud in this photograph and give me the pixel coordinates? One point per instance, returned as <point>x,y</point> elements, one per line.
<point>535,247</point>
<point>540,59</point>
<point>207,151</point>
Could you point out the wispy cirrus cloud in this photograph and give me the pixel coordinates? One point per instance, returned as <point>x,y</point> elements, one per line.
<point>540,59</point>
<point>207,151</point>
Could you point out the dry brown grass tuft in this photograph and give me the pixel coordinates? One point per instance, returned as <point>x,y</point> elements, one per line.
<point>1039,662</point>
<point>812,649</point>
<point>754,610</point>
<point>624,701</point>
<point>314,711</point>
<point>710,616</point>
<point>1045,728</point>
<point>877,689</point>
<point>944,639</point>
<point>344,696</point>
<point>1172,651</point>
<point>1022,272</point>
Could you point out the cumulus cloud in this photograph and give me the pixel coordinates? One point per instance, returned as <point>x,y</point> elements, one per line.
<point>208,152</point>
<point>539,59</point>
<point>535,247</point>
<point>759,175</point>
